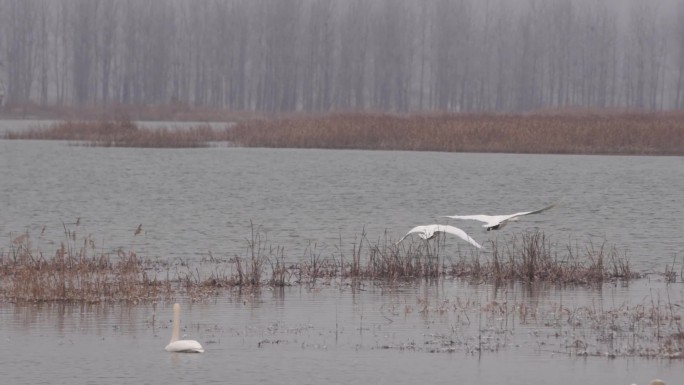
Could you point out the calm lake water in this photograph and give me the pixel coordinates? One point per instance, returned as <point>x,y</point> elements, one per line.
<point>196,202</point>
<point>380,335</point>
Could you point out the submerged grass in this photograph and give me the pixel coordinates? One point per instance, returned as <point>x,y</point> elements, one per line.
<point>649,328</point>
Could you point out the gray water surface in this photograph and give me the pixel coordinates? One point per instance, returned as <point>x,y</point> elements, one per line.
<point>192,202</point>
<point>330,334</point>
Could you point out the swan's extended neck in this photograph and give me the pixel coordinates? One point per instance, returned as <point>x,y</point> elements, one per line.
<point>175,327</point>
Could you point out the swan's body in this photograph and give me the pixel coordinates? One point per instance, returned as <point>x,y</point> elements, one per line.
<point>496,222</point>
<point>429,231</point>
<point>185,346</point>
<point>655,382</point>
<point>181,346</point>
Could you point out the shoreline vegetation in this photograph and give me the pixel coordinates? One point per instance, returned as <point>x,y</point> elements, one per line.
<point>79,271</point>
<point>122,133</point>
<point>545,132</point>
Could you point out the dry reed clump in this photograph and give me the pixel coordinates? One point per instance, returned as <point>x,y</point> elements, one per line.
<point>631,133</point>
<point>249,270</point>
<point>392,262</point>
<point>122,133</point>
<point>532,257</point>
<point>82,274</point>
<point>76,274</point>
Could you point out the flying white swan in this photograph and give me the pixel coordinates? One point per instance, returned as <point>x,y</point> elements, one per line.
<point>428,232</point>
<point>181,346</point>
<point>496,222</point>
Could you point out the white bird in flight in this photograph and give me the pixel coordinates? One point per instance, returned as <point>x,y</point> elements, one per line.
<point>181,346</point>
<point>496,222</point>
<point>429,231</point>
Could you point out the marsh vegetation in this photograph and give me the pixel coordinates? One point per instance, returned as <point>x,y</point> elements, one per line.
<point>554,133</point>
<point>80,271</point>
<point>122,133</point>
<point>628,133</point>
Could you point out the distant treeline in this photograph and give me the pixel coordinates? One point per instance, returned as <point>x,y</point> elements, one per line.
<point>333,55</point>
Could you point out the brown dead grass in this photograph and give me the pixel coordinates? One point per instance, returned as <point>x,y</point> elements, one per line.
<point>79,273</point>
<point>552,132</point>
<point>76,275</point>
<point>533,257</point>
<point>633,133</point>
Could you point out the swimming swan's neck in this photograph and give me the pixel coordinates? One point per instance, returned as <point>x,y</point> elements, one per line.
<point>175,331</point>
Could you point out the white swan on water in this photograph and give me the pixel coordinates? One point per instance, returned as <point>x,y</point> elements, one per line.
<point>496,222</point>
<point>181,346</point>
<point>429,231</point>
<point>655,382</point>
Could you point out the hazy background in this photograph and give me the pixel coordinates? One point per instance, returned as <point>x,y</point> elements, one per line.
<point>323,55</point>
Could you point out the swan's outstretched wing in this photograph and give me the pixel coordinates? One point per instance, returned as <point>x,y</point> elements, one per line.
<point>489,220</point>
<point>458,232</point>
<point>428,231</point>
<point>530,212</point>
<point>425,232</point>
<point>495,220</point>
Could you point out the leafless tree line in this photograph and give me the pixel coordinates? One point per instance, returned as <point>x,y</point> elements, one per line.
<point>325,55</point>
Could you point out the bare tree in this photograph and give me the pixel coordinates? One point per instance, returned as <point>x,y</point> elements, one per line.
<point>277,73</point>
<point>319,55</point>
<point>451,50</point>
<point>392,55</point>
<point>106,46</point>
<point>84,31</point>
<point>679,33</point>
<point>21,24</point>
<point>354,36</point>
<point>644,58</point>
<point>319,48</point>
